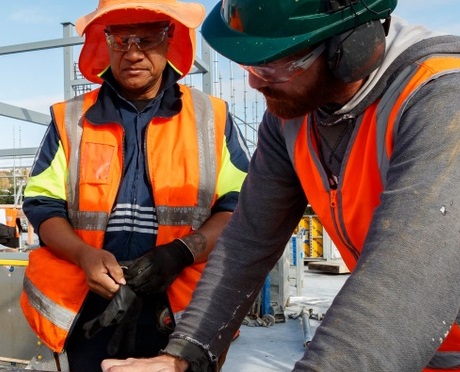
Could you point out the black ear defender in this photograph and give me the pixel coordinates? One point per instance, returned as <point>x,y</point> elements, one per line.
<point>354,54</point>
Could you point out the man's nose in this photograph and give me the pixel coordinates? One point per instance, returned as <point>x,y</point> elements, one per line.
<point>133,50</point>
<point>256,82</point>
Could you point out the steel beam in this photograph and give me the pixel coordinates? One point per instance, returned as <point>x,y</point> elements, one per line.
<point>22,113</point>
<point>22,152</point>
<point>41,45</point>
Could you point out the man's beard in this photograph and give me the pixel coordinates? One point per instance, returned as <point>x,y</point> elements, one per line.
<point>288,107</point>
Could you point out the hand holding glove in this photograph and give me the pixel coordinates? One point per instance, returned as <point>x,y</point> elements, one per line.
<point>154,271</point>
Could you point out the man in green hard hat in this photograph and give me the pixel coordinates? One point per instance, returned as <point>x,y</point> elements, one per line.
<point>363,124</point>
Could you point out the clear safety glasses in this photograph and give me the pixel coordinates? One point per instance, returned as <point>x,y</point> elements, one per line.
<point>122,43</point>
<point>281,72</point>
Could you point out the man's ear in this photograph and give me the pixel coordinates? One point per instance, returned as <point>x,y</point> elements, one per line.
<point>354,54</point>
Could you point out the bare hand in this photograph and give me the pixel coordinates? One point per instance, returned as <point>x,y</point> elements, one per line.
<point>163,363</point>
<point>103,273</point>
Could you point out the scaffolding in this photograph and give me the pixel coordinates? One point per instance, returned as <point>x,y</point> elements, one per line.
<point>211,73</point>
<point>80,89</point>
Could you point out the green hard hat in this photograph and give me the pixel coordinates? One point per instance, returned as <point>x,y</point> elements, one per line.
<point>254,32</point>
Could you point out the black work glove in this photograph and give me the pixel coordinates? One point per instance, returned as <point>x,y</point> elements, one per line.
<point>123,310</point>
<point>124,337</point>
<point>155,270</point>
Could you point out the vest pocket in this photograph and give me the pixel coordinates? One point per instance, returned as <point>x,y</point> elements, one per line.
<point>96,161</point>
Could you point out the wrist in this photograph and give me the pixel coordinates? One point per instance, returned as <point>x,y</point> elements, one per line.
<point>188,354</point>
<point>187,253</point>
<point>180,363</point>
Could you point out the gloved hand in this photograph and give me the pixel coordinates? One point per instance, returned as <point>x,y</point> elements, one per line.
<point>154,271</point>
<point>123,310</point>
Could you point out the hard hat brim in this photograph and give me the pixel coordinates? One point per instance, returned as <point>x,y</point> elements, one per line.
<point>248,49</point>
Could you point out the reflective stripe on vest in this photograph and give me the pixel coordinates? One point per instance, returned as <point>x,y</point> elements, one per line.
<point>195,216</point>
<point>80,220</point>
<point>445,360</point>
<point>338,211</point>
<point>56,314</point>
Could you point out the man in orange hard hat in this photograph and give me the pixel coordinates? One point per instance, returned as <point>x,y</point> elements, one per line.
<point>132,185</point>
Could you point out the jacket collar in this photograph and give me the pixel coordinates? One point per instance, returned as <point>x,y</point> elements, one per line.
<point>105,109</point>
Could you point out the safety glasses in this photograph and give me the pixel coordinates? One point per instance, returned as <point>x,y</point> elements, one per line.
<point>281,72</point>
<point>122,43</point>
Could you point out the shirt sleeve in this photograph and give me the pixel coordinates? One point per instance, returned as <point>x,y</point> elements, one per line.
<point>235,164</point>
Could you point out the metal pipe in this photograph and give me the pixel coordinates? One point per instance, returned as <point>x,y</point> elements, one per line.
<point>307,333</point>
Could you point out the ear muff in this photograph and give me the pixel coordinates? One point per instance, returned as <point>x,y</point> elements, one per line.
<point>354,54</point>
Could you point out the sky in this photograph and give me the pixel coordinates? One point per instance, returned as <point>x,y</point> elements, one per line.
<point>34,80</point>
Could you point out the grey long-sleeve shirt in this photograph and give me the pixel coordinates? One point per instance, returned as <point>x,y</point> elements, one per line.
<point>404,294</point>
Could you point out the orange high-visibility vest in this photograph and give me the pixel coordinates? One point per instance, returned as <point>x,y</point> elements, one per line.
<point>190,142</point>
<point>344,217</point>
<point>11,216</point>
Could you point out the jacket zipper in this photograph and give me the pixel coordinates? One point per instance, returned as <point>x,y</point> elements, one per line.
<point>335,214</point>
